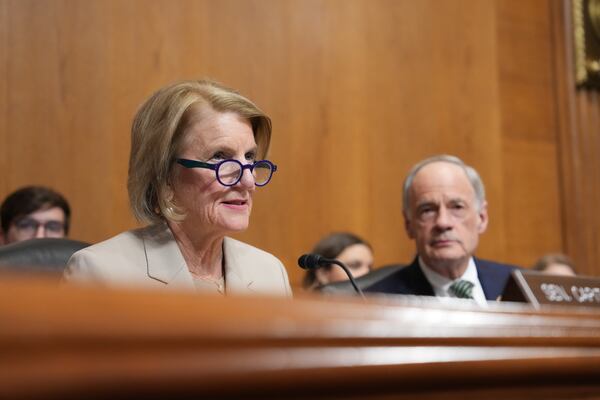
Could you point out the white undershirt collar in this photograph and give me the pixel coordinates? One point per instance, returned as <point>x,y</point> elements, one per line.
<point>441,284</point>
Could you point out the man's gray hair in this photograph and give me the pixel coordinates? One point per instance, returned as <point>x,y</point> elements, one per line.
<point>472,175</point>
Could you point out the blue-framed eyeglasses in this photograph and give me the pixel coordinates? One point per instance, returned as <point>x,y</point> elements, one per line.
<point>229,172</point>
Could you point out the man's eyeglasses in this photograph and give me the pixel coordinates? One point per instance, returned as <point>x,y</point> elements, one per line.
<point>229,172</point>
<point>30,226</point>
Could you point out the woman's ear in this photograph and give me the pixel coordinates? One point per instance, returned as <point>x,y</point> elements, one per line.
<point>167,191</point>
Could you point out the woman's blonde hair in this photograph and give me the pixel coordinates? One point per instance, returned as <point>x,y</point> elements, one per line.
<point>157,136</point>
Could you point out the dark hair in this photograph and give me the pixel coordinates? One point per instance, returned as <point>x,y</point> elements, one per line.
<point>331,246</point>
<point>554,258</point>
<point>30,199</point>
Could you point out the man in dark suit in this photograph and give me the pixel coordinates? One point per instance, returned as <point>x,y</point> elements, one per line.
<point>445,211</point>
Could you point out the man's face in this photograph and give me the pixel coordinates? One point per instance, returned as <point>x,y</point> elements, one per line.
<point>39,224</point>
<point>444,217</point>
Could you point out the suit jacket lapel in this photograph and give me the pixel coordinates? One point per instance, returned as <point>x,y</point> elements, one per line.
<point>418,281</point>
<point>489,279</point>
<point>164,259</point>
<point>236,277</point>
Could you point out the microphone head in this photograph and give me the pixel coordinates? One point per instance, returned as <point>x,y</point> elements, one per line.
<point>310,261</point>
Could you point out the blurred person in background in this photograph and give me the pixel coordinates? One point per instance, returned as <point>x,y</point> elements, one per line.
<point>197,156</point>
<point>350,249</point>
<point>34,212</point>
<point>556,264</point>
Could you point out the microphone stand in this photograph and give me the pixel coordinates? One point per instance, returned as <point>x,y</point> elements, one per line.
<point>347,271</point>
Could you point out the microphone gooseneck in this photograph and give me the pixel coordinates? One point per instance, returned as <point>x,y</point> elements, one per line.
<point>314,261</point>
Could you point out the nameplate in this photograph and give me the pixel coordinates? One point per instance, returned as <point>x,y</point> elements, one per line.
<point>537,288</point>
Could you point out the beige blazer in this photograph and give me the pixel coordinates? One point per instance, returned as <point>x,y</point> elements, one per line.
<point>150,257</point>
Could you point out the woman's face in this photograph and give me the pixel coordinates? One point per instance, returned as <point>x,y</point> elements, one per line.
<point>211,208</point>
<point>357,257</point>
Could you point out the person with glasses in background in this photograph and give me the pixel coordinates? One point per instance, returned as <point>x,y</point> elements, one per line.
<point>197,156</point>
<point>34,212</point>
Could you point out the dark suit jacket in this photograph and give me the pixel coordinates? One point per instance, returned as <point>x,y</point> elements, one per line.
<point>411,280</point>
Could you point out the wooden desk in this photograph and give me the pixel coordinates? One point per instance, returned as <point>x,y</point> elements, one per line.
<point>86,343</point>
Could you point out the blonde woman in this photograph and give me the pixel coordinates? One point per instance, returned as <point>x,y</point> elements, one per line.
<point>197,152</point>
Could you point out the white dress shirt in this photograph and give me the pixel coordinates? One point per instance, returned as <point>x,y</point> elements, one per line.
<point>441,284</point>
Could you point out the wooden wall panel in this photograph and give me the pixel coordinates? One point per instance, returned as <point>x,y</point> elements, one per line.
<point>579,139</point>
<point>358,90</point>
<point>587,132</point>
<point>4,143</point>
<point>529,129</point>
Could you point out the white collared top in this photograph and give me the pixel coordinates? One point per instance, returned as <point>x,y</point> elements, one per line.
<point>441,284</point>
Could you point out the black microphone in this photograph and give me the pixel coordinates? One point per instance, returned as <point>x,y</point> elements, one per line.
<point>314,261</point>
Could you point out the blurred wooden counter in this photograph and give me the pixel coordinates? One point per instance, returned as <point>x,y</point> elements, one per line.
<point>90,343</point>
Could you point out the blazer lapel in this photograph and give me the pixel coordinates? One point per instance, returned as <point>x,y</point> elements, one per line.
<point>164,259</point>
<point>491,282</point>
<point>236,280</point>
<point>418,281</point>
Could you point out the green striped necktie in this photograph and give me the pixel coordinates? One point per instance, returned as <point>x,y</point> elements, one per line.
<point>462,289</point>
